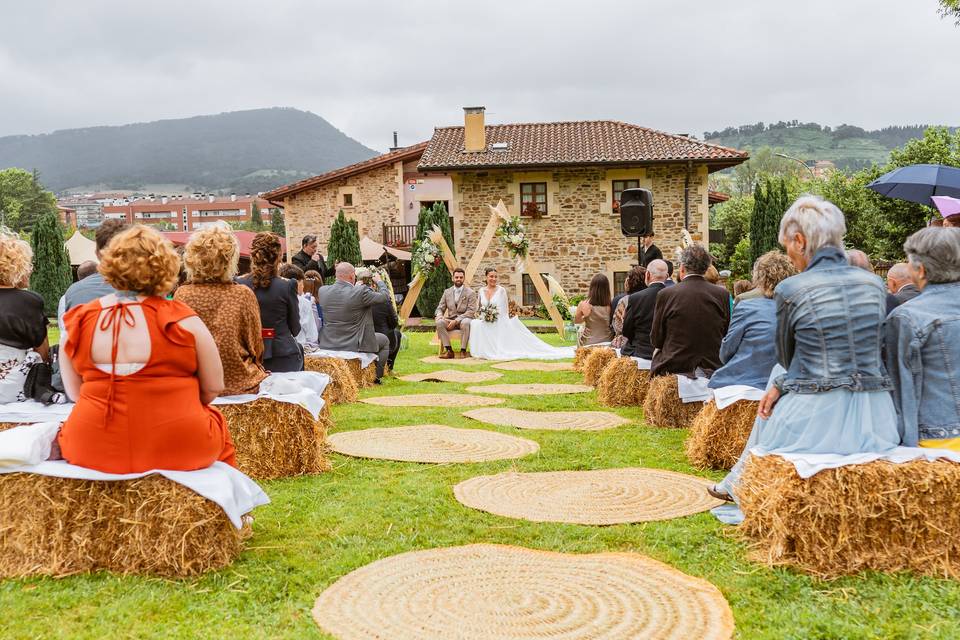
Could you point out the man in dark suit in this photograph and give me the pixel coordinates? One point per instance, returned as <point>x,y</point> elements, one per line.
<point>348,316</point>
<point>649,251</point>
<point>638,319</point>
<point>690,320</point>
<point>309,258</point>
<point>900,286</point>
<point>385,321</point>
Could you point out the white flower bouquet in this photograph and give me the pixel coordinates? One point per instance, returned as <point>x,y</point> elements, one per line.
<point>489,312</point>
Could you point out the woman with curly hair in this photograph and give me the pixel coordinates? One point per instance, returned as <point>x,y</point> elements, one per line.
<point>142,369</point>
<point>277,300</point>
<point>228,309</point>
<point>23,325</point>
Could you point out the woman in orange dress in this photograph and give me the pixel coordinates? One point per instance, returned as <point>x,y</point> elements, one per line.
<point>142,369</point>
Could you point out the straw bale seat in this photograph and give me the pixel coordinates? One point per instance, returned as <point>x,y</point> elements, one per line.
<point>718,436</point>
<point>663,408</point>
<point>580,357</point>
<point>876,516</point>
<point>277,439</point>
<point>596,360</point>
<point>153,526</point>
<point>369,375</point>
<point>8,425</point>
<point>622,384</point>
<point>343,387</point>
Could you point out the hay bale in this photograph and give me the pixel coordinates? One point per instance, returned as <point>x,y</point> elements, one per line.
<point>369,375</point>
<point>718,436</point>
<point>276,439</point>
<point>663,408</point>
<point>597,359</point>
<point>622,384</point>
<point>151,525</point>
<point>343,386</point>
<point>8,425</point>
<point>580,357</point>
<point>877,516</point>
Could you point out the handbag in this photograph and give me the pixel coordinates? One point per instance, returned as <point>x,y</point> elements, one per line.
<point>39,384</point>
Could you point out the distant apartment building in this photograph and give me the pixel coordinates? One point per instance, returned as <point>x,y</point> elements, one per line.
<point>186,213</point>
<point>86,212</point>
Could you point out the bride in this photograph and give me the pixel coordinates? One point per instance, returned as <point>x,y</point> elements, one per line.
<point>506,338</point>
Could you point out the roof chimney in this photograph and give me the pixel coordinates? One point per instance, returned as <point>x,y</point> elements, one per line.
<point>394,147</point>
<point>209,197</point>
<point>474,131</point>
<point>233,197</point>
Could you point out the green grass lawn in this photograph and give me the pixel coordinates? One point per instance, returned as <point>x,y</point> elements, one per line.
<point>320,528</point>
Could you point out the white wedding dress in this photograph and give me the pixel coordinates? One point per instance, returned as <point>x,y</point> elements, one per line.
<point>508,338</point>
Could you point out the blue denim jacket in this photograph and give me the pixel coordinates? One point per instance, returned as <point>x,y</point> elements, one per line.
<point>747,350</point>
<point>923,357</point>
<point>830,327</point>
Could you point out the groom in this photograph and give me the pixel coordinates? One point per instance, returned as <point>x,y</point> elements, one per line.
<point>458,306</point>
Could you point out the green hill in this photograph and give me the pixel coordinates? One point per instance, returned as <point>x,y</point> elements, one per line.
<point>849,147</point>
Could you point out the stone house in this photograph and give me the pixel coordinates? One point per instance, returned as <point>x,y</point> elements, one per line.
<point>564,179</point>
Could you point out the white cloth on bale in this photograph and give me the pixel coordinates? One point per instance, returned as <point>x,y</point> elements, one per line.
<point>33,411</point>
<point>694,389</point>
<point>726,396</point>
<point>302,388</point>
<point>25,449</point>
<point>364,357</point>
<point>642,363</point>
<point>810,464</point>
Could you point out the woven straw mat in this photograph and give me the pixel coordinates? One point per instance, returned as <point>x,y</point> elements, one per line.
<point>530,389</point>
<point>433,400</point>
<point>451,375</point>
<point>431,443</point>
<point>470,360</point>
<point>529,365</point>
<point>485,591</point>
<point>606,496</point>
<point>548,420</point>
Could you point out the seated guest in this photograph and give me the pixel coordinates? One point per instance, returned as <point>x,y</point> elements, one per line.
<point>635,281</point>
<point>348,316</point>
<point>638,318</point>
<point>88,289</point>
<point>309,320</point>
<point>229,310</point>
<point>690,320</point>
<point>23,324</point>
<point>834,396</point>
<point>742,286</point>
<point>594,313</point>
<point>385,321</point>
<point>142,369</point>
<point>669,282</point>
<point>859,259</point>
<point>277,300</point>
<point>309,258</point>
<point>746,350</point>
<point>900,287</point>
<point>923,343</point>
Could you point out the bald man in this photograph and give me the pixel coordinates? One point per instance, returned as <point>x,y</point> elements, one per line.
<point>638,319</point>
<point>900,286</point>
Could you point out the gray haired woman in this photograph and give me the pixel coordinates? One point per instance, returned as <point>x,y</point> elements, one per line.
<point>833,396</point>
<point>923,343</point>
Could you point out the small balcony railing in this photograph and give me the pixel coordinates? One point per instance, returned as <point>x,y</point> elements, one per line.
<point>401,236</point>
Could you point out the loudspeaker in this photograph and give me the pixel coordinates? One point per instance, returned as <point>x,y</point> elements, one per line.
<point>636,212</point>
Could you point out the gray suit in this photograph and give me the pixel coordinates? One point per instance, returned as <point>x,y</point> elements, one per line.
<point>462,310</point>
<point>348,320</point>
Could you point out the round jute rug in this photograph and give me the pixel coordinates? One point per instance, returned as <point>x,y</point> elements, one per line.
<point>530,389</point>
<point>605,496</point>
<point>433,400</point>
<point>431,443</point>
<point>548,420</point>
<point>484,591</point>
<point>451,375</point>
<point>530,365</point>
<point>468,360</point>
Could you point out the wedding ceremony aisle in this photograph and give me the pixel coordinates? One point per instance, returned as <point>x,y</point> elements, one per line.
<point>321,528</point>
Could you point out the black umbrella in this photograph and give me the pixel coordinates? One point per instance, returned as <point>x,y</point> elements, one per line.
<point>918,182</point>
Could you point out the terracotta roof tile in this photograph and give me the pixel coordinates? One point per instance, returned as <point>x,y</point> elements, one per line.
<point>572,143</point>
<point>400,155</point>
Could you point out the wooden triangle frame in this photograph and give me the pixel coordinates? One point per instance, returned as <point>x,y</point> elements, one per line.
<point>497,214</point>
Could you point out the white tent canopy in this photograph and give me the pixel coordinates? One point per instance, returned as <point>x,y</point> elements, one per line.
<point>80,248</point>
<point>371,250</point>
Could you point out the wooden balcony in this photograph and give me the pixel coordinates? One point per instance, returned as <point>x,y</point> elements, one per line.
<point>401,236</point>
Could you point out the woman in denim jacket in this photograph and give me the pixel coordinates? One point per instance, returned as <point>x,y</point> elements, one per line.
<point>923,343</point>
<point>834,395</point>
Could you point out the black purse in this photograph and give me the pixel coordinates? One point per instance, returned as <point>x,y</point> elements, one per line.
<point>39,384</point>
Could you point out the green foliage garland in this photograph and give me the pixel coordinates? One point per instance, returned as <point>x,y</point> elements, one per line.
<point>51,265</point>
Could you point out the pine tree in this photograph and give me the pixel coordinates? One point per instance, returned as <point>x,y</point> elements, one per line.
<point>256,220</point>
<point>51,265</point>
<point>277,224</point>
<point>770,202</point>
<point>756,221</point>
<point>344,245</point>
<point>439,279</point>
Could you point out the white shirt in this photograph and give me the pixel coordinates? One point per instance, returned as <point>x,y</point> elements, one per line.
<point>456,294</point>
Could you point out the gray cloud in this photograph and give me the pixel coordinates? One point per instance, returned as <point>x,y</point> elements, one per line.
<point>372,67</point>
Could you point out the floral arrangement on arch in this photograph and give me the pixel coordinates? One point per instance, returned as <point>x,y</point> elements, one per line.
<point>426,257</point>
<point>514,236</point>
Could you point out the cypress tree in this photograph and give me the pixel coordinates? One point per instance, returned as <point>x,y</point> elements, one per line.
<point>756,221</point>
<point>439,279</point>
<point>256,219</point>
<point>51,265</point>
<point>344,245</point>
<point>277,224</point>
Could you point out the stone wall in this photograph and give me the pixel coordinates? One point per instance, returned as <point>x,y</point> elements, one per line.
<point>376,198</point>
<point>580,235</point>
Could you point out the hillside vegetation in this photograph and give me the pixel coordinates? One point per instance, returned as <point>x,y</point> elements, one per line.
<point>241,151</point>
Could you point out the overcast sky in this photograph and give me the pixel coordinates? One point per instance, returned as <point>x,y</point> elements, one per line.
<point>410,65</point>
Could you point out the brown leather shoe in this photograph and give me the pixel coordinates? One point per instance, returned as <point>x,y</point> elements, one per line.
<point>463,354</point>
<point>447,355</point>
<point>719,495</point>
